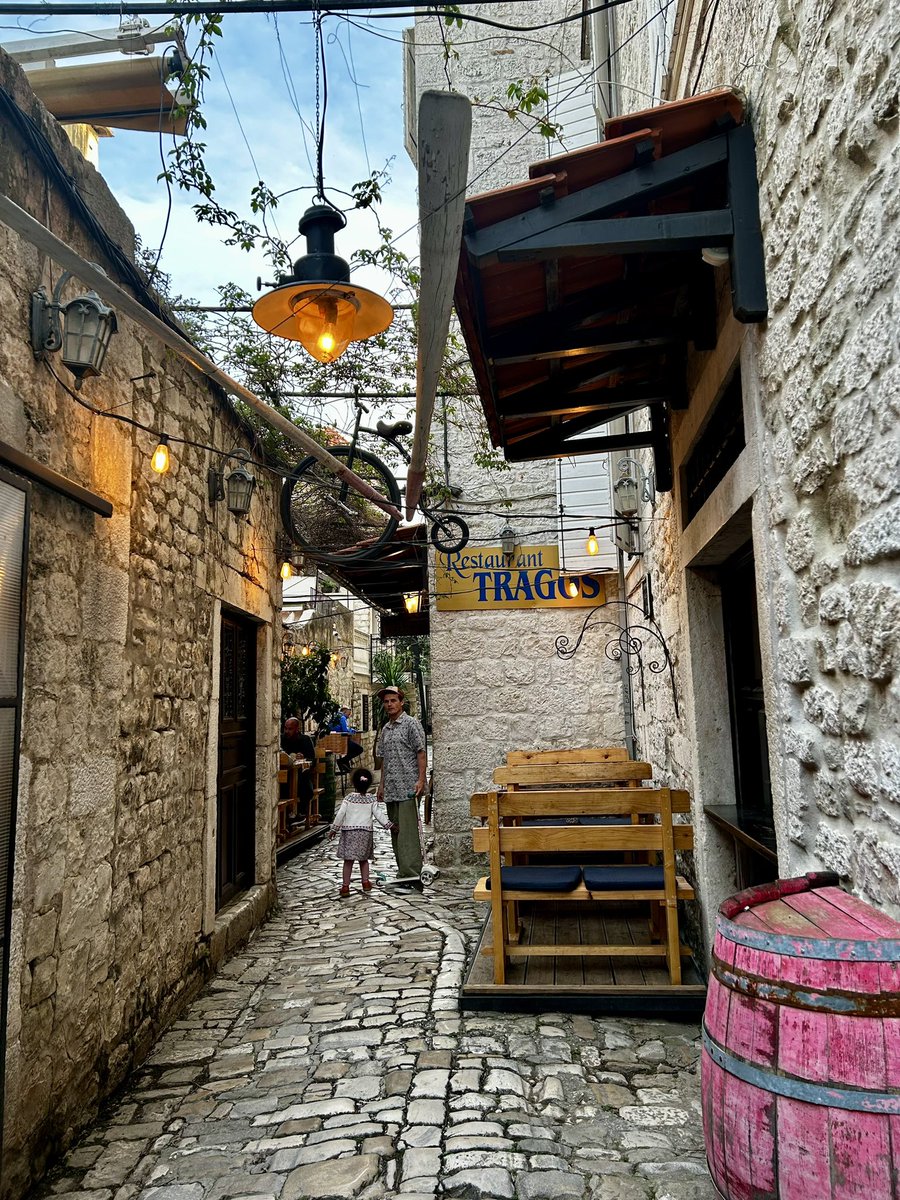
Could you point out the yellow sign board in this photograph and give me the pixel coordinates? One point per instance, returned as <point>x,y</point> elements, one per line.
<point>485,578</point>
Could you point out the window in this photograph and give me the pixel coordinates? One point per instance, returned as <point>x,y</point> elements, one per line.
<point>582,486</point>
<point>716,450</point>
<point>365,712</point>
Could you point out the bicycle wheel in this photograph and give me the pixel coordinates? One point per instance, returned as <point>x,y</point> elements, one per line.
<point>449,533</point>
<point>329,520</point>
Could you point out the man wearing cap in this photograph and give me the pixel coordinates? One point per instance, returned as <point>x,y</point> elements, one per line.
<point>341,724</point>
<point>401,746</point>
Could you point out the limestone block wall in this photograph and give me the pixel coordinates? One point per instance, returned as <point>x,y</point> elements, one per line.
<point>113,921</point>
<point>819,478</point>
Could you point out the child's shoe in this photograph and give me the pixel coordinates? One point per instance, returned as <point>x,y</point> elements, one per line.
<point>344,893</point>
<point>367,886</point>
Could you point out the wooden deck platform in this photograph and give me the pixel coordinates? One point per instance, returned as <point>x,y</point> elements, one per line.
<point>572,983</point>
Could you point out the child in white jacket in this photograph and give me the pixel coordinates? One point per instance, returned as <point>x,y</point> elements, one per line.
<point>353,820</point>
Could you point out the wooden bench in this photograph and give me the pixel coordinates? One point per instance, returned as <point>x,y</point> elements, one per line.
<point>506,885</point>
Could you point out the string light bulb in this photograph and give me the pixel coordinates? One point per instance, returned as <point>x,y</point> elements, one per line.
<point>592,546</point>
<point>286,569</point>
<point>160,460</point>
<point>305,650</point>
<point>571,586</point>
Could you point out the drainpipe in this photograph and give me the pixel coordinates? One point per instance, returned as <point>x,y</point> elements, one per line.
<point>627,693</point>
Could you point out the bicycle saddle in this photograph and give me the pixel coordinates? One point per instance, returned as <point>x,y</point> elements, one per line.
<point>393,429</point>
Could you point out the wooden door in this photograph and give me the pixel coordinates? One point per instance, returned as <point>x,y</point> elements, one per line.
<point>748,711</point>
<point>236,784</point>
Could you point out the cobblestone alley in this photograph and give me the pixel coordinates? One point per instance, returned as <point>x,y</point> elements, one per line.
<point>329,1058</point>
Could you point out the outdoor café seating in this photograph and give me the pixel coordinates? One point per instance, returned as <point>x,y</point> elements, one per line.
<point>575,839</point>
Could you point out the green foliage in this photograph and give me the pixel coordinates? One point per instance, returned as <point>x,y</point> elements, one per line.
<point>304,685</point>
<point>389,670</point>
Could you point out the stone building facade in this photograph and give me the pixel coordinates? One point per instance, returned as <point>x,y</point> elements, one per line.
<point>148,684</point>
<point>775,582</point>
<point>811,500</point>
<point>497,682</point>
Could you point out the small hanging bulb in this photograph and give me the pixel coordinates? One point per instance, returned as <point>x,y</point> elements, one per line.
<point>571,587</point>
<point>305,650</point>
<point>160,460</point>
<point>592,546</point>
<point>286,569</point>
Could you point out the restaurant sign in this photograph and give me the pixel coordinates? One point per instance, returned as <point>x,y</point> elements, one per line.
<point>486,578</point>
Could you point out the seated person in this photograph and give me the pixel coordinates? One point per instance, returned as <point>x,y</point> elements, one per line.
<point>295,742</point>
<point>341,724</point>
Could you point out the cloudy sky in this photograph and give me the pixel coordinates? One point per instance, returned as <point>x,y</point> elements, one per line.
<point>260,111</point>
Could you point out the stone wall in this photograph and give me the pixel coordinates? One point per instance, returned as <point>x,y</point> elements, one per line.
<point>817,485</point>
<point>497,684</point>
<point>114,923</point>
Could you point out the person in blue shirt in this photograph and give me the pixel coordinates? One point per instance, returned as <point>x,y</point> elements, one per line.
<point>341,724</point>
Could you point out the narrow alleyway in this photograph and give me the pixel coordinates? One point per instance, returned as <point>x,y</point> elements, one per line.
<point>329,1058</point>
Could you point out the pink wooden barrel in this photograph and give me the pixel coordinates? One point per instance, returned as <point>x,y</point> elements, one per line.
<point>801,1046</point>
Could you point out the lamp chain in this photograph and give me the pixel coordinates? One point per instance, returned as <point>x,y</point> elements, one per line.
<point>320,122</point>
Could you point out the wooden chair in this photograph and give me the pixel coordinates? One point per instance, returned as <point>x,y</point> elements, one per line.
<point>507,885</point>
<point>287,803</point>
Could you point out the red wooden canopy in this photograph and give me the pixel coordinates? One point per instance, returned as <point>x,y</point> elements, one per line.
<point>579,289</point>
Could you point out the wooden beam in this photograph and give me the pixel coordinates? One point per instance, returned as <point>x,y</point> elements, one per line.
<point>748,268</point>
<point>573,343</point>
<point>631,187</point>
<point>555,401</point>
<point>545,444</point>
<point>24,464</point>
<point>662,233</point>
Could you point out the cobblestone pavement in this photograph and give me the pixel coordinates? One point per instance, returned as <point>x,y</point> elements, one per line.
<point>329,1058</point>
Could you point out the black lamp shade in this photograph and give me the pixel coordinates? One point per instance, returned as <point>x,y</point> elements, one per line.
<point>88,326</point>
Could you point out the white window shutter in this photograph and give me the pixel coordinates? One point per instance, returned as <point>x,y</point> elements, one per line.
<point>571,105</point>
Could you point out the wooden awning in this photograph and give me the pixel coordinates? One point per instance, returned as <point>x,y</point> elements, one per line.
<point>383,581</point>
<point>580,289</point>
<point>129,93</point>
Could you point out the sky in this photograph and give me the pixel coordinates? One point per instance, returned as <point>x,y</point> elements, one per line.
<point>257,99</point>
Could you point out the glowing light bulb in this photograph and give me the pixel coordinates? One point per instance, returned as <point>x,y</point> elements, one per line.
<point>160,460</point>
<point>592,546</point>
<point>412,600</point>
<point>571,587</point>
<point>286,569</point>
<point>326,341</point>
<point>305,651</point>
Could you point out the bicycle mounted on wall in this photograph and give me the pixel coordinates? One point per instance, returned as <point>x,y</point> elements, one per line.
<point>334,524</point>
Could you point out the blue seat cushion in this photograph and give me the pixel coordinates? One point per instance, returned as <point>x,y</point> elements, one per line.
<point>539,879</point>
<point>614,879</point>
<point>555,821</point>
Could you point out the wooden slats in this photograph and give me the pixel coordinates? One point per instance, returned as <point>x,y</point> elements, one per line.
<point>547,838</point>
<point>605,801</point>
<point>537,774</point>
<point>599,754</point>
<point>580,783</point>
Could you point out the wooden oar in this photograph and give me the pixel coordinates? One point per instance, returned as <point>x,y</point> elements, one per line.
<point>444,132</point>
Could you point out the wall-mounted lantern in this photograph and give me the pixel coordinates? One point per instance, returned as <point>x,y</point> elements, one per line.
<point>508,542</point>
<point>81,329</point>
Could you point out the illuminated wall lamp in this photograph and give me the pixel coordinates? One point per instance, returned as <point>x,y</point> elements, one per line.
<point>413,602</point>
<point>81,330</point>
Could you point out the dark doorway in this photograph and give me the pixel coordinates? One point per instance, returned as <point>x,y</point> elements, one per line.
<point>236,783</point>
<point>15,495</point>
<point>753,792</point>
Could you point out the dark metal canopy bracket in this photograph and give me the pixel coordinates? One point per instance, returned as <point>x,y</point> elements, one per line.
<point>629,644</point>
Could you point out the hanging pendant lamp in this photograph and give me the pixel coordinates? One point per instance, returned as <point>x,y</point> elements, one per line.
<point>317,305</point>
